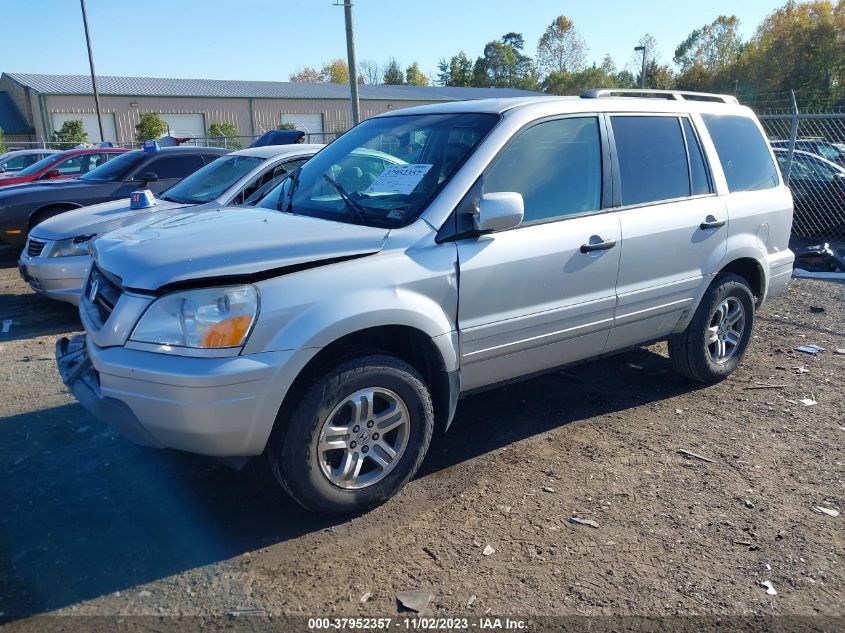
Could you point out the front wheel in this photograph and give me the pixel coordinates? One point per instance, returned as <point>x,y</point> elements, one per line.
<point>358,436</point>
<point>715,340</point>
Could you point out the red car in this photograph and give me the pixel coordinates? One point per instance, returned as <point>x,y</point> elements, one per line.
<point>70,164</point>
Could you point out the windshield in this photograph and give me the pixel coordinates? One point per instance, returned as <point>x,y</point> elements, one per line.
<point>116,168</point>
<point>213,180</point>
<point>384,171</point>
<point>41,164</point>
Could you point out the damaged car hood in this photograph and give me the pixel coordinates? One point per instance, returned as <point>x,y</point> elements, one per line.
<point>99,218</point>
<point>226,243</point>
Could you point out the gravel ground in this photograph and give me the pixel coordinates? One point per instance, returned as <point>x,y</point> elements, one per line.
<point>94,525</point>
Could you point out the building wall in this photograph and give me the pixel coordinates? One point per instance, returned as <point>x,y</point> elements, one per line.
<point>265,115</point>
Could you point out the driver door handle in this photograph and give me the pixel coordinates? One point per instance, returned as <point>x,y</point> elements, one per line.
<point>598,246</point>
<point>711,224</point>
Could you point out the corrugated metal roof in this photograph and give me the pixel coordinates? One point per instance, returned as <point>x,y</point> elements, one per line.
<point>164,87</point>
<point>11,119</point>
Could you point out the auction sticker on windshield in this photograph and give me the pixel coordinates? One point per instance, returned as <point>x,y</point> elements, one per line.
<point>399,179</point>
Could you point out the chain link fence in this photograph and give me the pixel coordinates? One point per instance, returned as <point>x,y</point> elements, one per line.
<point>810,150</point>
<point>229,142</point>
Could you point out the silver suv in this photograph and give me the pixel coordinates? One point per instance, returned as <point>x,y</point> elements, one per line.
<point>335,327</point>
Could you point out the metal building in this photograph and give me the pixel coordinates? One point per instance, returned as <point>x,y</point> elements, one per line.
<point>39,104</point>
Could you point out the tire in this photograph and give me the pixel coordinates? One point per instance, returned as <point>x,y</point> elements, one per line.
<point>324,480</point>
<point>694,352</point>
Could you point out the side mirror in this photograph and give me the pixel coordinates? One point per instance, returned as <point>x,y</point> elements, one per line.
<point>2,169</point>
<point>499,211</point>
<point>53,173</point>
<point>146,178</point>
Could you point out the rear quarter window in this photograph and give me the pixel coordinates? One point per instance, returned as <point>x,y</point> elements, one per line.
<point>743,152</point>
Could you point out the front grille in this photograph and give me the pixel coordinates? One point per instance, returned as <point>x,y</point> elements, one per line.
<point>106,295</point>
<point>35,247</point>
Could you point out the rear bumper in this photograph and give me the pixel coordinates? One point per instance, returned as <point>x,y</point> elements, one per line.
<point>59,278</point>
<point>225,407</point>
<point>780,272</point>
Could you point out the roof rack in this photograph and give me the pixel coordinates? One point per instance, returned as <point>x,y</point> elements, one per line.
<point>677,95</point>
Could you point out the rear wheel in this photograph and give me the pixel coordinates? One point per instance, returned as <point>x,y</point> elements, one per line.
<point>357,437</point>
<point>715,340</point>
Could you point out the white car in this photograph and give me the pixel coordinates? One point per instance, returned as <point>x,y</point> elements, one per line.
<point>55,261</point>
<point>12,162</point>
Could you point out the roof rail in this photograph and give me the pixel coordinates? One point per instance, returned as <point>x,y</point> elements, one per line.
<point>677,95</point>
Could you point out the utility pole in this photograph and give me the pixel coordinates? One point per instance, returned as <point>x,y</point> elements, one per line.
<point>350,54</point>
<point>642,74</point>
<point>93,74</point>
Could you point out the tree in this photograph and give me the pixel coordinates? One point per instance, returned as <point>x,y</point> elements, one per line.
<point>455,72</point>
<point>393,74</point>
<point>3,148</point>
<point>561,49</point>
<point>603,76</point>
<point>503,65</point>
<point>415,77</point>
<point>150,127</point>
<point>286,126</point>
<point>224,135</point>
<point>797,47</point>
<point>370,71</point>
<point>307,75</point>
<point>72,133</point>
<point>336,72</point>
<point>708,55</point>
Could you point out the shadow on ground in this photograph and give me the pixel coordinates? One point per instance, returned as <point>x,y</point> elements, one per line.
<point>86,513</point>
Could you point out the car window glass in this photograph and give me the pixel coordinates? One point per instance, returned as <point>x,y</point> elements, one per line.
<point>555,165</point>
<point>279,174</point>
<point>698,171</point>
<point>827,152</point>
<point>18,162</point>
<point>95,160</point>
<point>652,158</point>
<point>72,166</point>
<point>210,182</point>
<point>38,166</point>
<point>743,152</point>
<point>115,169</point>
<point>166,167</point>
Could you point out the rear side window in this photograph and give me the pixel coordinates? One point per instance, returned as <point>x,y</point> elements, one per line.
<point>743,152</point>
<point>175,166</point>
<point>555,165</point>
<point>699,179</point>
<point>652,158</point>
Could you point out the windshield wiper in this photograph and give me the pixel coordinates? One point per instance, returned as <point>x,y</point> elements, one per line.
<point>355,208</point>
<point>294,183</point>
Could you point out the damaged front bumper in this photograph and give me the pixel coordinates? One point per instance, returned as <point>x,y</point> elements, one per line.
<point>83,381</point>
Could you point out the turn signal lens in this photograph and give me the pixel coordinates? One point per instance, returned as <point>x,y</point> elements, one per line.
<point>228,333</point>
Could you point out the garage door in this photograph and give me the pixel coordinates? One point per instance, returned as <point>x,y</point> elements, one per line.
<point>305,122</point>
<point>89,124</point>
<point>185,125</point>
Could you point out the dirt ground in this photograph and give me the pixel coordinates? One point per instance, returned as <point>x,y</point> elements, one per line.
<point>94,525</point>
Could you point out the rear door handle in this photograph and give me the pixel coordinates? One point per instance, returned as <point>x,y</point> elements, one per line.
<point>597,246</point>
<point>711,224</point>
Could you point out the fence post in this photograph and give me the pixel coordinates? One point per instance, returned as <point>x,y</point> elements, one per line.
<point>793,134</point>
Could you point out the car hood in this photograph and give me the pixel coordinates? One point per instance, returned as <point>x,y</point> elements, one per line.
<point>100,218</point>
<point>226,242</point>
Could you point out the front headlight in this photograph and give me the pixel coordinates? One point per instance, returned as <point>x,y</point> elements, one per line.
<point>72,246</point>
<point>208,318</point>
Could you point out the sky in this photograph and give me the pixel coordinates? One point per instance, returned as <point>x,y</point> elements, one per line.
<point>271,39</point>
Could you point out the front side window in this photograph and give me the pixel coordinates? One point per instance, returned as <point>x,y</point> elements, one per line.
<point>743,152</point>
<point>555,165</point>
<point>167,167</point>
<point>211,181</point>
<point>72,166</point>
<point>384,171</point>
<point>115,169</point>
<point>652,158</point>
